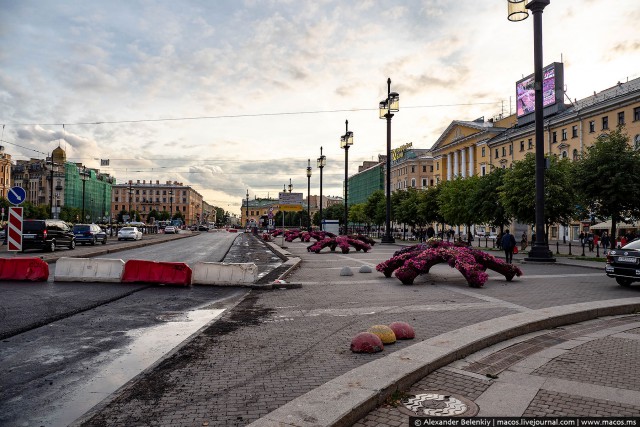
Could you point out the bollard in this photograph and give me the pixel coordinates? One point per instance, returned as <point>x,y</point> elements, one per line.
<point>582,250</point>
<point>486,242</point>
<point>557,248</point>
<point>597,251</point>
<point>569,248</point>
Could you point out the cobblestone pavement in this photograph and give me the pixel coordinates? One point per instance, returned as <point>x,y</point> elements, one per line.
<point>582,370</point>
<point>277,345</point>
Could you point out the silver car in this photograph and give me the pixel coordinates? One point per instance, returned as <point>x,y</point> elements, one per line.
<point>130,233</point>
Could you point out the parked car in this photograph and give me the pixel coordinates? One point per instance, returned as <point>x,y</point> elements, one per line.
<point>47,234</point>
<point>203,228</point>
<point>170,229</point>
<point>89,233</point>
<point>129,233</point>
<point>624,264</point>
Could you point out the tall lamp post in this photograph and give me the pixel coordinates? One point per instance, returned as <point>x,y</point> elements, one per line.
<point>290,185</point>
<point>517,11</point>
<point>346,141</point>
<point>322,162</point>
<point>309,193</point>
<point>246,224</point>
<point>84,181</point>
<point>387,107</point>
<point>53,169</point>
<point>171,208</point>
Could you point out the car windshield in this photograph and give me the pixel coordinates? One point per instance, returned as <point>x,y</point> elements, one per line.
<point>127,229</point>
<point>633,245</point>
<point>80,228</point>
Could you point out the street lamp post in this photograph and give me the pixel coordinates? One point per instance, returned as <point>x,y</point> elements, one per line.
<point>387,107</point>
<point>322,162</point>
<point>246,223</point>
<point>517,12</point>
<point>346,141</point>
<point>290,185</point>
<point>171,207</point>
<point>84,181</point>
<point>130,197</point>
<point>53,169</point>
<point>309,193</point>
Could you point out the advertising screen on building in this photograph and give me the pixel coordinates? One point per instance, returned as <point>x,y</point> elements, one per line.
<point>525,91</point>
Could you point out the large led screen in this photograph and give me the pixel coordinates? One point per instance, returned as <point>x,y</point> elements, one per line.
<point>525,91</point>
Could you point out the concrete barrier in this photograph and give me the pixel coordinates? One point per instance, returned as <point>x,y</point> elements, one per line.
<point>88,270</point>
<point>221,273</point>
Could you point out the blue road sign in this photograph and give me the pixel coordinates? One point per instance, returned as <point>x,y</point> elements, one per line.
<point>16,195</point>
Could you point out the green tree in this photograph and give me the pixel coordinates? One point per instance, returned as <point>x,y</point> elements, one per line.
<point>35,211</point>
<point>406,207</point>
<point>518,192</point>
<point>357,214</point>
<point>456,201</point>
<point>376,207</point>
<point>429,207</point>
<point>70,214</point>
<point>334,212</point>
<point>486,203</point>
<point>608,177</point>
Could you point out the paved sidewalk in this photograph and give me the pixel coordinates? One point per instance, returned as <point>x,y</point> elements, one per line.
<point>281,357</point>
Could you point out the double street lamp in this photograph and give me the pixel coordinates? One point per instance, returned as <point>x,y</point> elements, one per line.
<point>54,168</point>
<point>309,193</point>
<point>346,141</point>
<point>387,107</point>
<point>246,224</point>
<point>322,162</point>
<point>83,175</point>
<point>171,202</point>
<point>517,11</point>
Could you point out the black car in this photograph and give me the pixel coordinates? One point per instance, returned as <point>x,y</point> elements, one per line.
<point>624,264</point>
<point>203,228</point>
<point>89,233</point>
<point>46,234</point>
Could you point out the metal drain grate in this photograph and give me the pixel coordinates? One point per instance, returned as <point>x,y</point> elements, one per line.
<point>437,404</point>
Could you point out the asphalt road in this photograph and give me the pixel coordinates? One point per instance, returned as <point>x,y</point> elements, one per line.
<point>66,346</point>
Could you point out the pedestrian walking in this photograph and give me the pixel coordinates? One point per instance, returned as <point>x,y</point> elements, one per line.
<point>508,242</point>
<point>524,242</point>
<point>605,240</point>
<point>590,241</point>
<point>430,232</point>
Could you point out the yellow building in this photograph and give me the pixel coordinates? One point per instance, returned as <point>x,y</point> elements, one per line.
<point>5,172</point>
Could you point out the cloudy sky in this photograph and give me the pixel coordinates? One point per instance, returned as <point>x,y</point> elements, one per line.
<point>230,95</point>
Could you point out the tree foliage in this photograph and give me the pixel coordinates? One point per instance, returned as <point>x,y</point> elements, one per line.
<point>485,201</point>
<point>608,178</point>
<point>376,207</point>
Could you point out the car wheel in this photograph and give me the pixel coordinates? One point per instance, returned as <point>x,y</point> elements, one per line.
<point>51,247</point>
<point>104,241</point>
<point>93,242</point>
<point>623,281</point>
<point>72,245</point>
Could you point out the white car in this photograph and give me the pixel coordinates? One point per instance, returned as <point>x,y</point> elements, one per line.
<point>130,233</point>
<point>170,229</point>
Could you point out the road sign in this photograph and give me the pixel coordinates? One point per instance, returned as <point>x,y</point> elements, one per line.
<point>290,201</point>
<point>16,195</point>
<point>14,231</point>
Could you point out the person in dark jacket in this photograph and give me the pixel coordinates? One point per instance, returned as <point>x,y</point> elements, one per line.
<point>508,243</point>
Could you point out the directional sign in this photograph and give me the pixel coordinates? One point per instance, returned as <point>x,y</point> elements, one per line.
<point>16,195</point>
<point>290,201</point>
<point>14,231</point>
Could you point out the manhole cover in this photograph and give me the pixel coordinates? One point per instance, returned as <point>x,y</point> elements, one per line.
<point>437,404</point>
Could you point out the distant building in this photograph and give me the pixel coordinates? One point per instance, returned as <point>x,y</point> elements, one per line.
<point>5,172</point>
<point>144,197</point>
<point>370,178</point>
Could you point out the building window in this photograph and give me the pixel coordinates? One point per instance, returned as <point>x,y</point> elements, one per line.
<point>565,154</point>
<point>432,182</point>
<point>424,168</point>
<point>592,126</point>
<point>482,151</point>
<point>184,208</point>
<point>564,134</point>
<point>116,207</point>
<point>430,168</point>
<point>521,145</point>
<point>576,156</point>
<point>621,118</point>
<point>530,143</point>
<point>164,192</point>
<point>605,123</point>
<point>413,182</point>
<point>483,170</point>
<point>137,191</point>
<point>438,166</point>
<point>413,169</point>
<point>116,199</point>
<point>636,142</point>
<point>144,191</point>
<point>497,153</point>
<point>574,131</point>
<point>424,182</point>
<point>504,151</point>
<point>554,136</point>
<point>636,114</point>
<point>510,149</point>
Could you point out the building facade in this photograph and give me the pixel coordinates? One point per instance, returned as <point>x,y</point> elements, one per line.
<point>411,168</point>
<point>5,172</point>
<point>370,178</point>
<point>144,197</point>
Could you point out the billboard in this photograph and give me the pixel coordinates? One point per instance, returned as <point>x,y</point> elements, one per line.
<point>552,89</point>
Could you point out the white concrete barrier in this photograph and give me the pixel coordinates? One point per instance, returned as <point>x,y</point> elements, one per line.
<point>88,270</point>
<point>222,273</point>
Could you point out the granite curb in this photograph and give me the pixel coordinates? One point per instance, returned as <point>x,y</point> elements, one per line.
<point>349,397</point>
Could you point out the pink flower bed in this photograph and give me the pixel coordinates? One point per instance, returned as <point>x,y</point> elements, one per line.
<point>408,263</point>
<point>342,242</point>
